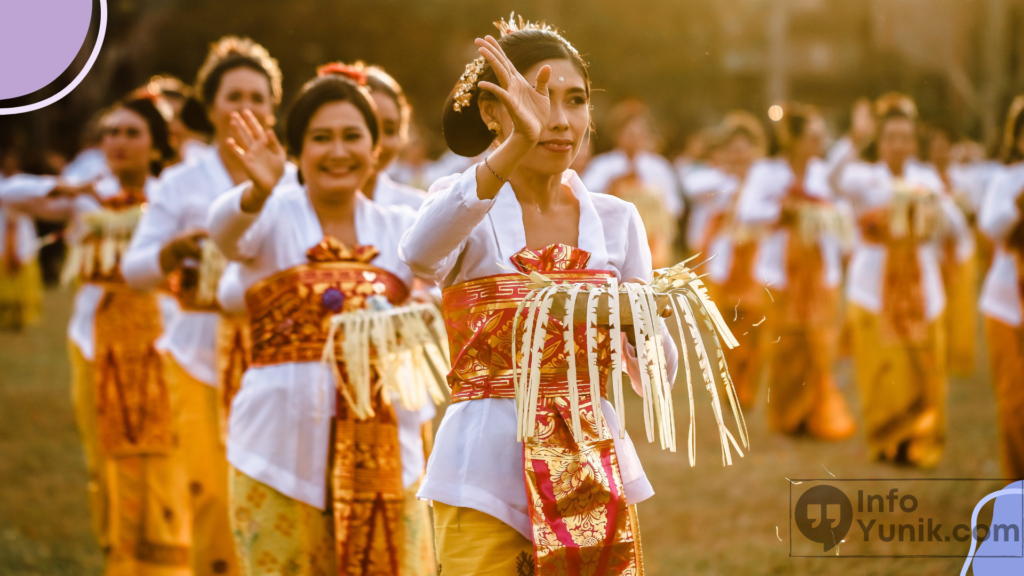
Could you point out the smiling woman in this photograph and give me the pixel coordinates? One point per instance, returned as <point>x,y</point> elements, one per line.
<point>307,252</point>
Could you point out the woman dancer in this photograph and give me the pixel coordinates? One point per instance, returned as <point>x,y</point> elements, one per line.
<point>395,113</point>
<point>1002,296</point>
<point>960,260</point>
<point>137,487</point>
<point>522,207</point>
<point>308,252</point>
<point>800,260</point>
<point>238,75</point>
<point>895,290</point>
<point>732,248</point>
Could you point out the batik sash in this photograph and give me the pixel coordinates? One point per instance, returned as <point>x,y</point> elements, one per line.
<point>290,321</point>
<point>577,505</point>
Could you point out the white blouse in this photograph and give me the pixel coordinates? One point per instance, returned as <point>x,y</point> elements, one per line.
<point>387,192</point>
<point>181,203</point>
<point>1000,295</point>
<point>81,327</point>
<point>760,202</point>
<point>869,186</point>
<point>26,244</point>
<point>476,461</point>
<point>280,425</point>
<point>711,192</point>
<point>653,170</point>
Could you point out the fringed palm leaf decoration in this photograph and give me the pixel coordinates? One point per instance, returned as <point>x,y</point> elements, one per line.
<point>101,241</point>
<point>699,323</point>
<point>211,268</point>
<point>406,346</point>
<point>916,212</point>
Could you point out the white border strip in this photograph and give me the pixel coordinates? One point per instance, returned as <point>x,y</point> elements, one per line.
<point>78,79</point>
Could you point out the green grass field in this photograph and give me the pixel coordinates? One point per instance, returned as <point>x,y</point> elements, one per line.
<point>704,520</point>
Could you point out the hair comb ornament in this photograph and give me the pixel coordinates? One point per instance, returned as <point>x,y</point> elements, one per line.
<point>467,83</point>
<point>339,69</point>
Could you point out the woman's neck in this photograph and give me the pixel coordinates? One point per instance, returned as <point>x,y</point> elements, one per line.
<point>371,186</point>
<point>336,213</point>
<point>534,188</point>
<point>133,178</point>
<point>895,166</point>
<point>798,163</point>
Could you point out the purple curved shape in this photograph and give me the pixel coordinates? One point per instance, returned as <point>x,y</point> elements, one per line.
<point>39,39</point>
<point>1003,558</point>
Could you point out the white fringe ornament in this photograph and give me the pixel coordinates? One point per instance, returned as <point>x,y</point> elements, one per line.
<point>406,346</point>
<point>101,241</point>
<point>692,307</point>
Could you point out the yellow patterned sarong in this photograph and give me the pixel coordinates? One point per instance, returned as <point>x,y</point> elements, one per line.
<point>903,389</point>
<point>139,504</point>
<point>1006,346</point>
<point>21,296</point>
<point>961,282</point>
<point>198,430</point>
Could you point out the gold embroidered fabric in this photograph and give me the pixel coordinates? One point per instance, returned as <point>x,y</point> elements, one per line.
<point>132,400</point>
<point>290,311</point>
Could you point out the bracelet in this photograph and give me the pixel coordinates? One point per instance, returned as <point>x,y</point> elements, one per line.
<point>505,180</point>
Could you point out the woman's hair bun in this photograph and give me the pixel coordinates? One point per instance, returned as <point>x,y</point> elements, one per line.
<point>464,130</point>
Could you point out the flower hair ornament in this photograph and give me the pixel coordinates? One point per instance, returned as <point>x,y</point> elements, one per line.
<point>467,83</point>
<point>339,69</point>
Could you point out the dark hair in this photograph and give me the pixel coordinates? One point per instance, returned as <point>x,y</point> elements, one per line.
<point>380,81</point>
<point>791,127</point>
<point>464,130</point>
<point>211,83</point>
<point>889,106</point>
<point>229,53</point>
<point>193,116</point>
<point>158,130</point>
<point>320,91</point>
<point>1012,132</point>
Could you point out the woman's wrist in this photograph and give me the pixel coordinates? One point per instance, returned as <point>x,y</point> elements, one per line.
<point>253,198</point>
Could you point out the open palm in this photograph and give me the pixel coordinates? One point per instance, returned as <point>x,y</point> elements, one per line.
<point>529,106</point>
<point>258,150</point>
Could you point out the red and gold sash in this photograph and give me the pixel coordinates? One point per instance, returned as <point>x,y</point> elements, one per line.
<point>132,399</point>
<point>903,299</point>
<point>807,301</point>
<point>234,355</point>
<point>578,509</point>
<point>290,320</point>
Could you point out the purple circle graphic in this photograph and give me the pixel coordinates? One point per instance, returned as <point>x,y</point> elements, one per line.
<point>39,39</point>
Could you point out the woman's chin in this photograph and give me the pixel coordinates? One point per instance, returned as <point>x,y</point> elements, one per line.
<point>550,164</point>
<point>334,188</point>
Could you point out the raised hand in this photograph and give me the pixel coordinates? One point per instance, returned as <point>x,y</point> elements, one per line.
<point>258,151</point>
<point>528,105</point>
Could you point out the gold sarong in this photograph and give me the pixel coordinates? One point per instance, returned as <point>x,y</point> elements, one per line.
<point>805,331</point>
<point>903,389</point>
<point>1006,347</point>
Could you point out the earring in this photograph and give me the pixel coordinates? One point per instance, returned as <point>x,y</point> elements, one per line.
<point>494,127</point>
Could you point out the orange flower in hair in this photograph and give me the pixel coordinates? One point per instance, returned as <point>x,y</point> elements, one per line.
<point>339,69</point>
